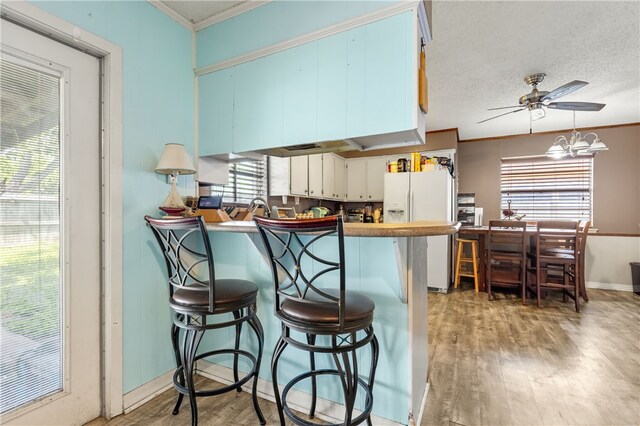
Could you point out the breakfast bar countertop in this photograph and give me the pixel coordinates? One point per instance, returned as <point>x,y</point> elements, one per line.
<point>423,228</point>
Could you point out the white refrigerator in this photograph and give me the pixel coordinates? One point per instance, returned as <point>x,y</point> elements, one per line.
<point>410,197</point>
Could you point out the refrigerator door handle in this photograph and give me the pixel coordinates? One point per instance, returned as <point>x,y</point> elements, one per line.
<point>413,213</point>
<point>409,207</point>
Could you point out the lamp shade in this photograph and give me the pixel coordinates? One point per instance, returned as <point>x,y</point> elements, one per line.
<point>175,160</point>
<point>598,145</point>
<point>556,151</point>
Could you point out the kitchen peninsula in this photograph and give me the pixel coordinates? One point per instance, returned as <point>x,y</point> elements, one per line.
<point>385,261</point>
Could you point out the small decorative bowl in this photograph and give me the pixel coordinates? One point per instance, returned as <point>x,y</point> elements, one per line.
<point>173,211</point>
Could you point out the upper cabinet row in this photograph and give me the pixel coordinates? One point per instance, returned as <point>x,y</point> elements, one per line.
<point>328,177</point>
<point>349,85</point>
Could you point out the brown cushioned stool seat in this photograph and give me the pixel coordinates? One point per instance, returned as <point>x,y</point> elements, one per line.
<point>358,307</point>
<point>228,292</point>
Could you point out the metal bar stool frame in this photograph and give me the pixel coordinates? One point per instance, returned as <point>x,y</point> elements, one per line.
<point>286,252</point>
<point>187,251</point>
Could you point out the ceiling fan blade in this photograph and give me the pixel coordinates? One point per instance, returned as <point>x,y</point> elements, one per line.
<point>576,106</point>
<point>510,112</point>
<point>514,106</point>
<point>563,90</point>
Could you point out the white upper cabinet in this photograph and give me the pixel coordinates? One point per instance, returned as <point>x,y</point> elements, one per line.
<point>340,182</point>
<point>298,176</point>
<point>315,176</point>
<point>328,177</point>
<point>357,179</point>
<point>376,168</point>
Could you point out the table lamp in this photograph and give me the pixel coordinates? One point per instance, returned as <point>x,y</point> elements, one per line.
<point>174,161</point>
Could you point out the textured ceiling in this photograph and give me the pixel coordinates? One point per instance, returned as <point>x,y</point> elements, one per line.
<point>481,51</point>
<point>197,11</point>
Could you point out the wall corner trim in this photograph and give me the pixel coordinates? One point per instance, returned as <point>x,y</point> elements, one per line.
<point>172,13</point>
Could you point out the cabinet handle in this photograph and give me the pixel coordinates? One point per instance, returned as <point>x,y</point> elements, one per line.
<point>312,192</point>
<point>369,196</point>
<point>361,196</point>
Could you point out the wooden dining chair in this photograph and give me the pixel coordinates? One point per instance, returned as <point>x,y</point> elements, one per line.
<point>506,256</point>
<point>553,264</point>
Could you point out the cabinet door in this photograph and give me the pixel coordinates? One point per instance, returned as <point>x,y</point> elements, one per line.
<point>215,105</point>
<point>299,171</point>
<point>356,180</point>
<point>315,176</point>
<point>388,59</point>
<point>300,73</point>
<point>340,184</point>
<point>356,89</point>
<point>328,177</point>
<point>376,168</point>
<point>332,88</point>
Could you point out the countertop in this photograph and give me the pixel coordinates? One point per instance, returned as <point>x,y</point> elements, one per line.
<point>411,229</point>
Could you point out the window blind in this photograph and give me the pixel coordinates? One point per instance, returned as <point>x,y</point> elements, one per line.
<point>546,189</point>
<point>247,180</point>
<point>30,273</point>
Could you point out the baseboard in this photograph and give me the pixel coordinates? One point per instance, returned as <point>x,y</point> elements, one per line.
<point>325,410</point>
<point>609,286</point>
<point>423,405</point>
<point>147,392</point>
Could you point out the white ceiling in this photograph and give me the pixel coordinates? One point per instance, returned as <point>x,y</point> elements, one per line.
<point>482,50</point>
<point>197,11</point>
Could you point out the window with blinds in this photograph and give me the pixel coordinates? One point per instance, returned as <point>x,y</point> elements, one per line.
<point>30,243</point>
<point>545,189</point>
<point>247,180</point>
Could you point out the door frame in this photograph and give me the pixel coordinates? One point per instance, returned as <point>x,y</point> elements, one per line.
<point>110,55</point>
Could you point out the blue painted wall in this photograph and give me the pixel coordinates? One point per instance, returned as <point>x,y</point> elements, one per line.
<point>275,22</point>
<point>371,269</point>
<point>158,87</point>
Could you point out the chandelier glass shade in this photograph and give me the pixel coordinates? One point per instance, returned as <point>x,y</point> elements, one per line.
<point>577,144</point>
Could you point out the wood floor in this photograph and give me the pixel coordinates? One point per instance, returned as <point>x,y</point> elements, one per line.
<point>495,363</point>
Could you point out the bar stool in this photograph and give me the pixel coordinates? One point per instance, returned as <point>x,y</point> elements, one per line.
<point>310,298</point>
<point>461,260</point>
<point>196,294</point>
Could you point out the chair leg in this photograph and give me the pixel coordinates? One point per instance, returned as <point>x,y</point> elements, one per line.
<point>488,280</point>
<point>236,315</point>
<point>256,325</point>
<point>274,374</point>
<point>348,373</point>
<point>175,341</point>
<point>375,351</point>
<point>456,279</point>
<point>538,282</point>
<point>474,254</point>
<point>311,340</point>
<point>189,349</point>
<point>523,278</point>
<point>583,286</point>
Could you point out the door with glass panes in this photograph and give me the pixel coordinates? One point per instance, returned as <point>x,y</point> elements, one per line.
<point>49,231</point>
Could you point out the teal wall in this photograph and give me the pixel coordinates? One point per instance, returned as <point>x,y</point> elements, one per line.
<point>158,87</point>
<point>276,22</point>
<point>370,269</point>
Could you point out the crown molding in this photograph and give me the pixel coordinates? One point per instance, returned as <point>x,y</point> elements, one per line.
<point>229,13</point>
<point>172,13</point>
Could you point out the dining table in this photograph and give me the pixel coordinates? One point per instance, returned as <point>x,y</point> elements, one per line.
<point>480,233</point>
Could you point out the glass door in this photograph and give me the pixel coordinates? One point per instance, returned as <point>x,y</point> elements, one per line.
<point>49,231</point>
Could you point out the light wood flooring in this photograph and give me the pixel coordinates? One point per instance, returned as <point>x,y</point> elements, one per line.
<point>494,363</point>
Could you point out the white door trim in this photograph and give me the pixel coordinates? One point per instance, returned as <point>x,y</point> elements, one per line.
<point>43,22</point>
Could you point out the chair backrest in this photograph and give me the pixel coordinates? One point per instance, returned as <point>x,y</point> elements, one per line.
<point>583,231</point>
<point>187,252</point>
<point>296,268</point>
<point>507,235</point>
<point>556,235</point>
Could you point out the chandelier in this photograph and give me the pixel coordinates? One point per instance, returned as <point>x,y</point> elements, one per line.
<point>577,144</point>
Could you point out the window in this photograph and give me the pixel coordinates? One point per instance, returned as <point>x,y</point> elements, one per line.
<point>545,189</point>
<point>247,180</point>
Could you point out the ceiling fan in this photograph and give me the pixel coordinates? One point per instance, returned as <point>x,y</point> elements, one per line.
<point>538,100</point>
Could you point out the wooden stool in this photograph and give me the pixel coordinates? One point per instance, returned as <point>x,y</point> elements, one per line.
<point>460,272</point>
